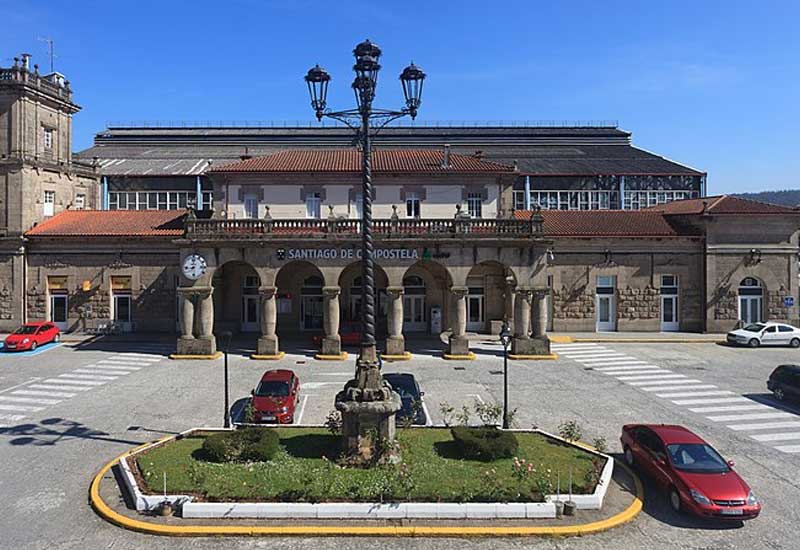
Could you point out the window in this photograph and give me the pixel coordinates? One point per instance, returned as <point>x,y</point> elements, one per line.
<point>570,200</point>
<point>635,200</point>
<point>251,206</point>
<point>412,205</point>
<point>155,200</point>
<point>784,328</point>
<point>49,203</point>
<point>314,206</point>
<point>80,201</point>
<point>475,204</point>
<point>47,138</point>
<point>358,203</point>
<point>206,200</point>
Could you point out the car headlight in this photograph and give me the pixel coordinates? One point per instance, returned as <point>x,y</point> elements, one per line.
<point>751,499</point>
<point>699,497</point>
<point>26,340</point>
<point>283,409</point>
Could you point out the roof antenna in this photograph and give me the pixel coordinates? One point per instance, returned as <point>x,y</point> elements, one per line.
<point>51,49</point>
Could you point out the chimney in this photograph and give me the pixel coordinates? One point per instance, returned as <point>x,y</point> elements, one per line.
<point>25,60</point>
<point>446,156</point>
<point>246,155</point>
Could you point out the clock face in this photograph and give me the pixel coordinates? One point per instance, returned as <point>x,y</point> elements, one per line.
<point>194,266</point>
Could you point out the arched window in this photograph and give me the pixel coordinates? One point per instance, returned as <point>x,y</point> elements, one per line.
<point>414,285</point>
<point>751,300</point>
<point>312,285</point>
<point>311,303</point>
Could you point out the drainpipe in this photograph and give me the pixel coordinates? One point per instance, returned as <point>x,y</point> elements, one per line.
<point>198,200</point>
<point>527,192</point>
<point>622,192</point>
<point>24,283</point>
<point>104,198</point>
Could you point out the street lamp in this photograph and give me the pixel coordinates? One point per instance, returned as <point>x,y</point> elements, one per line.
<point>226,344</point>
<point>505,339</point>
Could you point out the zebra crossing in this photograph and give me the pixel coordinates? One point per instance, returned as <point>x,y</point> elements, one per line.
<point>33,397</point>
<point>758,421</point>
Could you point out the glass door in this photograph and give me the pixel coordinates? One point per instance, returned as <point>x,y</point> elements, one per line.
<point>669,303</point>
<point>58,311</point>
<point>311,312</point>
<point>250,315</point>
<point>606,304</point>
<point>414,314</point>
<point>750,308</point>
<point>475,321</point>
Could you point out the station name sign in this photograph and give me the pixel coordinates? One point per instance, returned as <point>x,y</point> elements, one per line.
<point>346,254</point>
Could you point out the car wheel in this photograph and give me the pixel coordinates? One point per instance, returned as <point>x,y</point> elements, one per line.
<point>778,393</point>
<point>675,500</point>
<point>795,343</point>
<point>753,343</point>
<point>34,345</point>
<point>629,460</point>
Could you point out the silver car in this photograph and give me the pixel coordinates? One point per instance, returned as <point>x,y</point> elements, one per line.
<point>765,334</point>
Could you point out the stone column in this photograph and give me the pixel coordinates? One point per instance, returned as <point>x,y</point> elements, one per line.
<point>395,342</point>
<point>459,343</point>
<point>197,303</point>
<point>508,295</point>
<point>540,341</point>
<point>331,343</point>
<point>268,341</point>
<point>520,345</point>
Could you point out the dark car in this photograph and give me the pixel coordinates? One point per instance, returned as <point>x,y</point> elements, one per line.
<point>697,479</point>
<point>784,382</point>
<point>408,389</point>
<point>32,335</point>
<point>275,398</point>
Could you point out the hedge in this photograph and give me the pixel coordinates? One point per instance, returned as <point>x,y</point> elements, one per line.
<point>484,443</point>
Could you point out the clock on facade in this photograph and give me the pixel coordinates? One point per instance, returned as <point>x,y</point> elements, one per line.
<point>194,266</point>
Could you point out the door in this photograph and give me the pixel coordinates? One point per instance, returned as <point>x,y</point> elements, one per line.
<point>251,206</point>
<point>311,313</point>
<point>750,308</point>
<point>58,311</point>
<point>606,304</point>
<point>475,322</point>
<point>669,313</point>
<point>250,316</point>
<point>414,314</point>
<point>122,311</point>
<point>770,336</point>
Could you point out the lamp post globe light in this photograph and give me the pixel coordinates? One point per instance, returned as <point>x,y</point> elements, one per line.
<point>505,339</point>
<point>366,403</point>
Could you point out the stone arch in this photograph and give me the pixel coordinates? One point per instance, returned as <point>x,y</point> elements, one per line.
<point>490,286</point>
<point>437,280</point>
<point>300,304</point>
<point>236,286</point>
<point>350,297</point>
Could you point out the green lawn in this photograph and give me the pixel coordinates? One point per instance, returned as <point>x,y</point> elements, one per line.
<point>430,471</point>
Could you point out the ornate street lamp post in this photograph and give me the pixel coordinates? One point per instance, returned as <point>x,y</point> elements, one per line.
<point>365,402</point>
<point>505,339</point>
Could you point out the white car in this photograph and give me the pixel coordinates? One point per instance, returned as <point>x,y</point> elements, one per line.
<point>766,334</point>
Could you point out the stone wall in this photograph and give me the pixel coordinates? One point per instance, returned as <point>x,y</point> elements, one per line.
<point>638,303</point>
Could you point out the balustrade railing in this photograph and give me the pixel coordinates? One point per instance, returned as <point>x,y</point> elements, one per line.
<point>346,228</point>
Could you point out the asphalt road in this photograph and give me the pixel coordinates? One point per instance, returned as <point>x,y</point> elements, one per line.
<point>66,411</point>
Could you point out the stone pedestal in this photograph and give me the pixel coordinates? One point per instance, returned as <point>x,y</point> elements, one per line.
<point>331,342</point>
<point>268,341</point>
<point>521,344</point>
<point>459,343</point>
<point>395,342</point>
<point>197,322</point>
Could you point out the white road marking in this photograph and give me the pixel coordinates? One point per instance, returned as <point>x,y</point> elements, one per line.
<point>76,382</point>
<point>12,417</point>
<point>145,356</point>
<point>652,376</point>
<point>622,359</point>
<point>114,367</point>
<point>789,448</point>
<point>625,367</point>
<point>576,345</point>
<point>60,388</point>
<point>299,419</point>
<point>99,371</point>
<point>686,387</point>
<point>20,408</point>
<point>764,426</point>
<point>428,419</point>
<point>315,385</point>
<point>88,376</point>
<point>640,370</point>
<point>753,416</point>
<point>131,364</point>
<point>664,382</point>
<point>44,393</point>
<point>695,393</point>
<point>787,436</point>
<point>592,353</point>
<point>477,397</point>
<point>712,400</point>
<point>585,357</point>
<point>334,374</point>
<point>730,408</point>
<point>20,385</point>
<point>35,401</point>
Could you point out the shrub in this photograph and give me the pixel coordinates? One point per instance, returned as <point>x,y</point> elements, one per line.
<point>247,445</point>
<point>571,430</point>
<point>484,443</point>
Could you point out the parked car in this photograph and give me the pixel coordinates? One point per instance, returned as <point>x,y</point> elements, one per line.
<point>32,335</point>
<point>406,386</point>
<point>697,479</point>
<point>275,398</point>
<point>765,334</point>
<point>349,332</point>
<point>784,382</point>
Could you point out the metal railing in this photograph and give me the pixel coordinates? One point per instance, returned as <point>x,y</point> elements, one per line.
<point>256,229</point>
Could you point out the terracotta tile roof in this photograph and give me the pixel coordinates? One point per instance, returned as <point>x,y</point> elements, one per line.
<point>111,223</point>
<point>721,204</point>
<point>349,160</point>
<point>603,223</point>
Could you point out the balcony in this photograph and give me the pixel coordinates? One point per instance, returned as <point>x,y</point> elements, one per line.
<point>347,229</point>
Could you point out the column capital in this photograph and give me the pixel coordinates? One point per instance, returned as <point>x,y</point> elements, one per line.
<point>201,291</point>
<point>267,291</point>
<point>525,292</point>
<point>395,291</point>
<point>459,291</point>
<point>331,291</point>
<point>541,292</point>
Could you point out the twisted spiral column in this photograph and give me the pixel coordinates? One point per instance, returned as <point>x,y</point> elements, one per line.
<point>368,247</point>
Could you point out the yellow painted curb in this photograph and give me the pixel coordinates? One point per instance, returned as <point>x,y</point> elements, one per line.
<point>404,357</point>
<point>561,339</point>
<point>468,357</point>
<point>341,357</point>
<point>275,357</point>
<point>652,340</point>
<point>105,512</point>
<point>212,356</point>
<point>548,357</point>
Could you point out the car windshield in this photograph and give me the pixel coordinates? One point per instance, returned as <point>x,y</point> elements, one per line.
<point>697,457</point>
<point>755,327</point>
<point>26,329</point>
<point>272,389</point>
<point>403,386</point>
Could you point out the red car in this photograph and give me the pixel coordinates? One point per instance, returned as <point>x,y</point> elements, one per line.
<point>350,334</point>
<point>32,335</point>
<point>697,478</point>
<point>275,398</point>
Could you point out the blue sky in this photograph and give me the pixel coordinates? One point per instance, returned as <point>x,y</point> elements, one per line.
<point>712,84</point>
